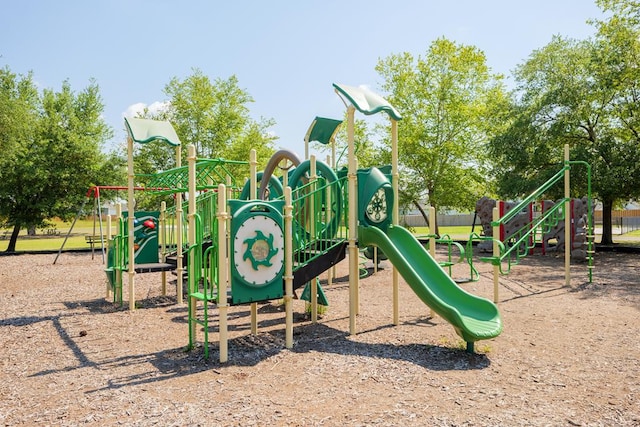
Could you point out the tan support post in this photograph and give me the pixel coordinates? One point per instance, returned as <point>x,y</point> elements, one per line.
<point>118,253</point>
<point>223,273</point>
<point>496,252</point>
<point>396,211</point>
<point>567,220</point>
<point>354,277</point>
<point>109,240</point>
<point>432,242</point>
<point>331,271</point>
<point>253,194</point>
<point>178,231</point>
<point>288,267</point>
<point>313,179</point>
<point>162,224</point>
<point>130,225</point>
<point>191,235</point>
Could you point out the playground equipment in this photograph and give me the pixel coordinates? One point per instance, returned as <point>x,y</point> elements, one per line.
<point>265,239</point>
<point>277,246</point>
<point>286,225</point>
<point>525,218</point>
<point>522,236</point>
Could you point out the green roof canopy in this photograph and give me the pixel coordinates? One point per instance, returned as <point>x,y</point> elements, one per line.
<point>146,130</point>
<point>366,101</point>
<point>322,130</point>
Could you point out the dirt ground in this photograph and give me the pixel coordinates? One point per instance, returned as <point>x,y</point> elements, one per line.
<point>567,355</point>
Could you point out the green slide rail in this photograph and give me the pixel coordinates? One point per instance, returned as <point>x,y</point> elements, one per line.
<point>473,318</point>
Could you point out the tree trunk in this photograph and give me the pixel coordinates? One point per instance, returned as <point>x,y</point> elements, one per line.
<point>436,228</point>
<point>13,239</point>
<point>423,213</point>
<point>607,233</point>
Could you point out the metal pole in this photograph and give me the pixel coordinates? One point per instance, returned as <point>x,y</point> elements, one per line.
<point>130,225</point>
<point>354,279</point>
<point>84,202</point>
<point>567,219</point>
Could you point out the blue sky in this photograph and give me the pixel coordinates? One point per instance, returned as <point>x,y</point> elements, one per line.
<point>286,54</point>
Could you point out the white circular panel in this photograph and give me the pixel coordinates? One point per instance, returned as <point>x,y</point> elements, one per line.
<point>377,207</point>
<point>259,250</point>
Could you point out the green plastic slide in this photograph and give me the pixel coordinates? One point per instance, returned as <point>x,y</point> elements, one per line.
<point>473,318</point>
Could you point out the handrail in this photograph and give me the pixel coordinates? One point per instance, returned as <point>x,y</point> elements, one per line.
<point>532,197</point>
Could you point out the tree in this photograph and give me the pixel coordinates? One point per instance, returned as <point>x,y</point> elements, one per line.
<point>446,98</point>
<point>583,93</point>
<point>48,173</point>
<point>214,117</point>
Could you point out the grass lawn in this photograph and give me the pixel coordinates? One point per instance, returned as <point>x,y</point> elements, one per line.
<point>52,238</point>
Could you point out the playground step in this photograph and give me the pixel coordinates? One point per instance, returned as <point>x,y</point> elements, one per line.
<point>153,267</point>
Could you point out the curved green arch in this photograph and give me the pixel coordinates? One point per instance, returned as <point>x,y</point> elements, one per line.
<point>298,176</point>
<point>275,187</point>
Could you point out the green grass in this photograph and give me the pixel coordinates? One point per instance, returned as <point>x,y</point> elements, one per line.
<point>52,238</point>
<point>455,232</point>
<point>82,228</point>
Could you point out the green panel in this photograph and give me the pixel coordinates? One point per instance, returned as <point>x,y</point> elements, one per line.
<point>110,270</point>
<point>306,294</point>
<point>145,232</point>
<point>275,187</point>
<point>323,130</point>
<point>256,250</point>
<point>209,173</point>
<point>473,318</point>
<point>366,101</point>
<point>145,130</point>
<point>375,198</point>
<point>296,180</point>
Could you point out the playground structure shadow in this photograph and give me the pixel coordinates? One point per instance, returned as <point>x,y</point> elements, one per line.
<point>249,350</point>
<point>246,350</point>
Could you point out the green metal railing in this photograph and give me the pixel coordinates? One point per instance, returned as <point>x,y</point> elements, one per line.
<point>318,219</point>
<point>209,172</point>
<point>523,240</point>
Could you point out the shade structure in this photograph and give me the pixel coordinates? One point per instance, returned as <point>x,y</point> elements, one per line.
<point>366,101</point>
<point>146,130</point>
<point>322,130</point>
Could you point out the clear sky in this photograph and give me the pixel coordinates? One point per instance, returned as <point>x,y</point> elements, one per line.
<point>285,53</point>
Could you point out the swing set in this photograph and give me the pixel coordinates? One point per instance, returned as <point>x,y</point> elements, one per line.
<point>99,235</point>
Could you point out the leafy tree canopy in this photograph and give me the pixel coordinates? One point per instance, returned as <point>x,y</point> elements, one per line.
<point>583,93</point>
<point>448,98</point>
<point>53,153</point>
<point>214,117</point>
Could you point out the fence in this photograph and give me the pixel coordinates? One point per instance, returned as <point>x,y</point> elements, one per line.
<point>624,220</point>
<point>443,220</point>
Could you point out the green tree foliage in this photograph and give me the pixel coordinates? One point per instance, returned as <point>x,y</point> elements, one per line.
<point>447,99</point>
<point>56,141</point>
<point>583,93</point>
<point>18,110</point>
<point>214,117</point>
